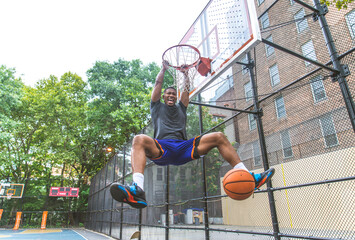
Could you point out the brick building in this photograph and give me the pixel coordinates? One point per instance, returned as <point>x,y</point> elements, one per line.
<point>303,110</point>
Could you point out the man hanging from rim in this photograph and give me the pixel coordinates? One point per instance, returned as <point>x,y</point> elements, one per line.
<point>170,144</point>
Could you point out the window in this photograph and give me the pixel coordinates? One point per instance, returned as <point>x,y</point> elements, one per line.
<point>309,52</point>
<point>286,144</point>
<point>350,21</point>
<point>318,89</point>
<point>252,121</point>
<point>328,131</point>
<point>274,75</point>
<point>260,1</point>
<point>301,24</point>
<point>159,174</point>
<point>256,153</point>
<point>248,91</point>
<point>264,19</point>
<point>292,2</point>
<point>280,107</point>
<point>269,50</point>
<point>216,118</point>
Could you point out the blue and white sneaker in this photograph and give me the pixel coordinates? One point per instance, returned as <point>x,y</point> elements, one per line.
<point>133,195</point>
<point>262,178</point>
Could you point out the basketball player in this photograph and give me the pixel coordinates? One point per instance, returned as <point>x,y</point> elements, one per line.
<point>170,145</point>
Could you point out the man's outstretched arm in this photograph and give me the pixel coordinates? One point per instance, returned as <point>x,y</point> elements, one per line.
<point>156,94</point>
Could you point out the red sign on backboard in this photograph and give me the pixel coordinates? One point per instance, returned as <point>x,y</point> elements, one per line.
<point>64,192</point>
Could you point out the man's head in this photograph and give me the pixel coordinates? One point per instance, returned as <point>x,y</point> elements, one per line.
<point>170,96</point>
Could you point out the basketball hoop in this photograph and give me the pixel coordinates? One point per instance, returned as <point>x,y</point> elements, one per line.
<point>9,196</point>
<point>182,57</point>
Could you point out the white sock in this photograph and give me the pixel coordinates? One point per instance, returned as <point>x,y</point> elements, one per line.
<point>240,165</point>
<point>139,179</point>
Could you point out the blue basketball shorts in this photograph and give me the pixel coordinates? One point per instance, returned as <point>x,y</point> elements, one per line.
<point>176,152</point>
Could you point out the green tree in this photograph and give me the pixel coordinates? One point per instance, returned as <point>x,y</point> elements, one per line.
<point>13,149</point>
<point>338,3</point>
<point>55,111</point>
<point>119,100</point>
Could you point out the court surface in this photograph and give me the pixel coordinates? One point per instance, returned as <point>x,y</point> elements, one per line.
<point>51,234</point>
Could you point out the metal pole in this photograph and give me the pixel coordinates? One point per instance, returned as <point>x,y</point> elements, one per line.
<point>336,63</point>
<point>97,203</point>
<point>263,148</point>
<point>220,107</point>
<point>123,182</point>
<point>204,180</point>
<point>113,179</point>
<point>140,212</point>
<point>103,202</point>
<point>167,204</point>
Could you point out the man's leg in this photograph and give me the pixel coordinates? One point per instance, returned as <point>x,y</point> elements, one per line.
<point>219,140</point>
<point>143,146</point>
<point>225,148</point>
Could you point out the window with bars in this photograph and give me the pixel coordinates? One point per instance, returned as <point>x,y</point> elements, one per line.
<point>309,52</point>
<point>280,107</point>
<point>264,19</point>
<point>318,89</point>
<point>286,144</point>
<point>252,121</point>
<point>301,24</point>
<point>248,91</point>
<point>350,21</point>
<point>256,154</point>
<point>269,49</point>
<point>328,131</point>
<point>274,75</point>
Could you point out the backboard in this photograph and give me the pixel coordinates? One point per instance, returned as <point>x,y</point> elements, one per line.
<point>13,189</point>
<point>223,32</point>
<point>64,192</point>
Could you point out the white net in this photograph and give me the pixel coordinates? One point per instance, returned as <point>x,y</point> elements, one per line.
<point>182,57</point>
<point>9,196</point>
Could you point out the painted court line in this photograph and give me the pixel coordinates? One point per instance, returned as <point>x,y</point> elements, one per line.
<point>37,234</point>
<point>80,235</point>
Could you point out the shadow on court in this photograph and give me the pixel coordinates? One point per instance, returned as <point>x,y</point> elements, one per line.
<point>51,234</point>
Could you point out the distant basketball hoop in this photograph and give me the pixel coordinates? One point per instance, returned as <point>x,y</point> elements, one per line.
<point>11,190</point>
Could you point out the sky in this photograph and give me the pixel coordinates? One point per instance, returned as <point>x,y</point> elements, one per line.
<point>40,38</point>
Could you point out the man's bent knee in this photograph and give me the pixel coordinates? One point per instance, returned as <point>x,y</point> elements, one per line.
<point>140,139</point>
<point>219,137</point>
<point>147,143</point>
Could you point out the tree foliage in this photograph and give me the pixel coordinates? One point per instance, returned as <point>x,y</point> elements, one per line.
<point>340,4</point>
<point>119,99</point>
<point>56,133</point>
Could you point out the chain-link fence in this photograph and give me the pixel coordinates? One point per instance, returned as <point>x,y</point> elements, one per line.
<point>61,213</point>
<point>301,125</point>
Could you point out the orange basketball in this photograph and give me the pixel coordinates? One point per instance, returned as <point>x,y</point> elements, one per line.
<point>238,184</point>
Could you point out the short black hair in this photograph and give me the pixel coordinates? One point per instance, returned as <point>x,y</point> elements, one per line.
<point>171,87</point>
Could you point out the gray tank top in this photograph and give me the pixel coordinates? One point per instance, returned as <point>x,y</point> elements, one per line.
<point>169,121</point>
